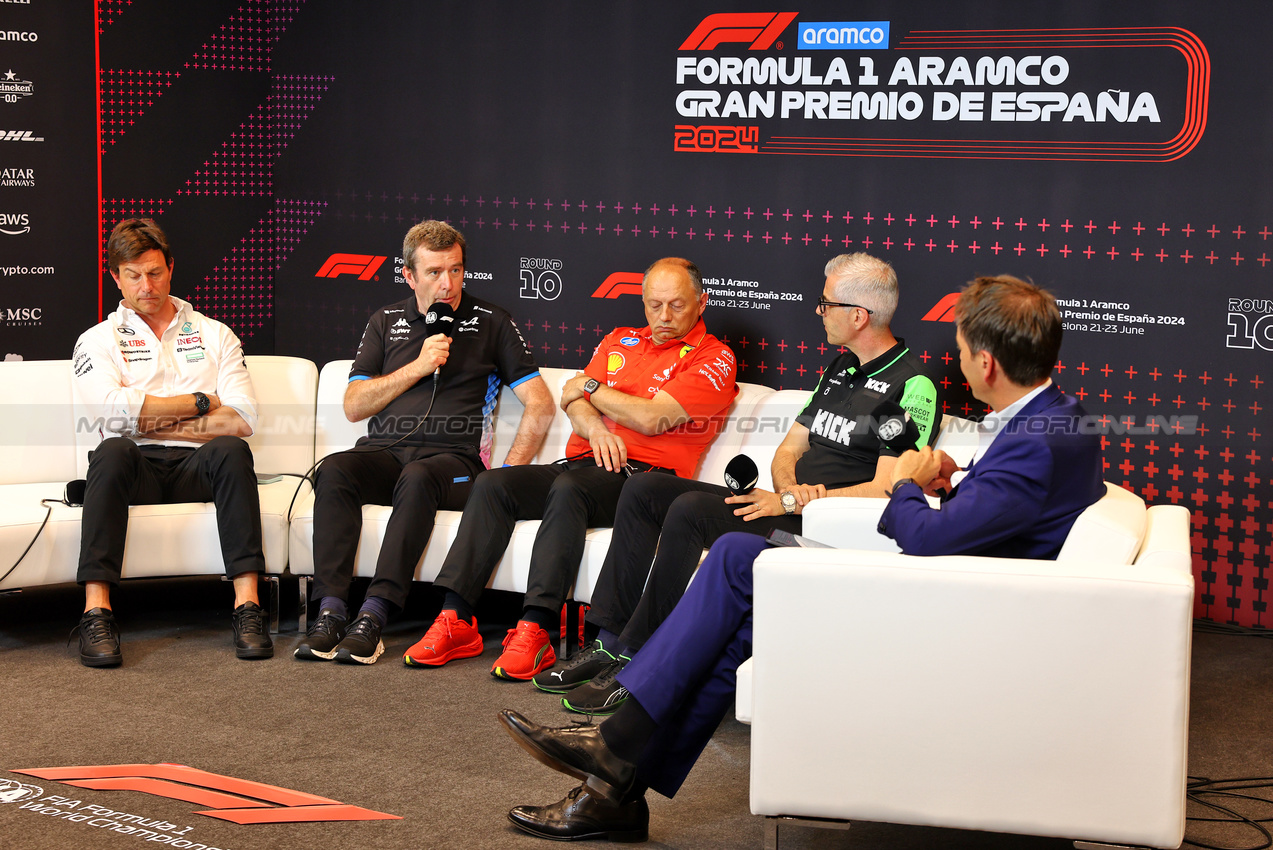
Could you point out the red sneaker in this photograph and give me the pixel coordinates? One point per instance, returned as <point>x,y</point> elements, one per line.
<point>449,637</point>
<point>527,651</point>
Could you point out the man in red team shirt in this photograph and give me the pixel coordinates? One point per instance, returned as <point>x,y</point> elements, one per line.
<point>650,399</point>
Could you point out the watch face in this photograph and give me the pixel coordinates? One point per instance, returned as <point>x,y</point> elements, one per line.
<point>592,385</point>
<point>788,500</point>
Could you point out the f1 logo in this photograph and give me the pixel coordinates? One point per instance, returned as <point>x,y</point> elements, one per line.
<point>943,310</point>
<point>761,29</point>
<point>237,800</point>
<point>363,265</point>
<point>620,283</point>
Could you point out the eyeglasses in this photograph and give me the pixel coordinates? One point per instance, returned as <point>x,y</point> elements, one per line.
<point>823,304</point>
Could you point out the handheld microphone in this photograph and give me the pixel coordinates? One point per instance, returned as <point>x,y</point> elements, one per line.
<point>439,320</point>
<point>895,428</point>
<point>741,475</point>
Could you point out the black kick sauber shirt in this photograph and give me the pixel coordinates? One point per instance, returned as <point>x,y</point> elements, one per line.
<point>487,350</point>
<point>844,447</point>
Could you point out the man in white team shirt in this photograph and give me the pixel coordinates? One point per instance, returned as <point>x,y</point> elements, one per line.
<point>169,393</point>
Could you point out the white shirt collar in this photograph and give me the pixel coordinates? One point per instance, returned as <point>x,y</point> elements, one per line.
<point>989,428</point>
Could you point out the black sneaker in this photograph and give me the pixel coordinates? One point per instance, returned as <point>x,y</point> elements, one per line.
<point>603,695</point>
<point>99,639</point>
<point>580,670</point>
<point>362,644</point>
<point>322,637</point>
<point>251,632</point>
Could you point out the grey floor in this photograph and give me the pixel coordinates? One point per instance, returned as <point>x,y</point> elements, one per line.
<point>420,744</point>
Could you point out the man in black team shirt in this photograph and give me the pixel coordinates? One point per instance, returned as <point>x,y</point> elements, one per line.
<point>831,450</point>
<point>421,470</point>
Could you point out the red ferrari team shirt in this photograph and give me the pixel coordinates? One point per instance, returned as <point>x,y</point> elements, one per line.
<point>697,370</point>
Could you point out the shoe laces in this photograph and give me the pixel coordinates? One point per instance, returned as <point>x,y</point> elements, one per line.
<point>326,624</point>
<point>364,626</point>
<point>251,620</point>
<point>588,655</point>
<point>441,627</point>
<point>523,640</point>
<point>93,629</point>
<point>605,678</point>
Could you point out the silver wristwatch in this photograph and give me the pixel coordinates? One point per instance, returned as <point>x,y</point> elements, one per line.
<point>788,500</point>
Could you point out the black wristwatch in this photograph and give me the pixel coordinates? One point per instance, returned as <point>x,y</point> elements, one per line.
<point>590,386</point>
<point>202,404</point>
<point>899,483</point>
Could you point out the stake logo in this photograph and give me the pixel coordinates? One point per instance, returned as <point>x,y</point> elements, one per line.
<point>620,283</point>
<point>943,310</point>
<point>759,30</point>
<point>236,800</point>
<point>363,265</point>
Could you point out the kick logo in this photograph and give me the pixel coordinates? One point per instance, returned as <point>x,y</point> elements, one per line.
<point>363,265</point>
<point>236,800</point>
<point>759,30</point>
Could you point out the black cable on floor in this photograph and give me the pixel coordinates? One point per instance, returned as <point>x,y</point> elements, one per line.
<point>1200,787</point>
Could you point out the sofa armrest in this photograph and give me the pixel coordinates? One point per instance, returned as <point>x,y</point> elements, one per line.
<point>1032,697</point>
<point>847,522</point>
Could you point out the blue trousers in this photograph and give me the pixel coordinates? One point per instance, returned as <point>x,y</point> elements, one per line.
<point>685,676</point>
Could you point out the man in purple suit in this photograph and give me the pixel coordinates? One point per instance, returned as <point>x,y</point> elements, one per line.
<point>1036,468</point>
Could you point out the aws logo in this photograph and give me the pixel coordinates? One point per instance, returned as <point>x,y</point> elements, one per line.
<point>363,265</point>
<point>943,310</point>
<point>758,30</point>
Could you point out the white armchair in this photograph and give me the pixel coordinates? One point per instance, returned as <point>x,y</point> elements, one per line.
<point>1032,697</point>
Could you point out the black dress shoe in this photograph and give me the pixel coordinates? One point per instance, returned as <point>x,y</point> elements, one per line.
<point>584,815</point>
<point>577,751</point>
<point>251,633</point>
<point>99,639</point>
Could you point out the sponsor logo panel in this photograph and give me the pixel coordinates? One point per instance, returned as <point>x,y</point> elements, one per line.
<point>21,317</point>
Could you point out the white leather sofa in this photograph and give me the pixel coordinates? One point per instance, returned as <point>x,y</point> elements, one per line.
<point>44,443</point>
<point>747,429</point>
<point>1032,697</point>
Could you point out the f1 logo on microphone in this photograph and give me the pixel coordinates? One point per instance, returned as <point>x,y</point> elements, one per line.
<point>363,265</point>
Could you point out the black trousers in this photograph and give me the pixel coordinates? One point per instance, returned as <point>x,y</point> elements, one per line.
<point>121,473</point>
<point>667,521</point>
<point>417,488</point>
<point>569,497</point>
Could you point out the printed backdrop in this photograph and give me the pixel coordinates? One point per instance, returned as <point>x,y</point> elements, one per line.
<point>1117,154</point>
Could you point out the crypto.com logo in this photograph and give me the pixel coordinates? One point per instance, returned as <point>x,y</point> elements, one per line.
<point>620,283</point>
<point>943,310</point>
<point>236,800</point>
<point>363,265</point>
<point>757,29</point>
